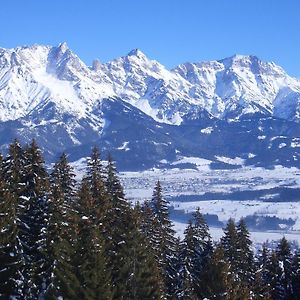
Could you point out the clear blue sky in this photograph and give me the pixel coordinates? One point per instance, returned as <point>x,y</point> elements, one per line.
<point>170,31</point>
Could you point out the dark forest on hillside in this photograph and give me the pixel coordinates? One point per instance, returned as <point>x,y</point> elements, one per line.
<point>62,239</point>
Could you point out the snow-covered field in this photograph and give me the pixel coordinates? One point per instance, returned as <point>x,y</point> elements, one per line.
<point>183,187</point>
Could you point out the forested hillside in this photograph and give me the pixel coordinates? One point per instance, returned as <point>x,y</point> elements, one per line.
<point>62,239</point>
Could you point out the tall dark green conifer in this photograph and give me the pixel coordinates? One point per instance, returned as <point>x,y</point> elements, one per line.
<point>245,258</point>
<point>145,280</point>
<point>93,272</point>
<point>95,178</point>
<point>196,251</point>
<point>274,275</point>
<point>33,222</point>
<point>230,242</point>
<point>285,257</point>
<point>296,275</point>
<point>164,240</point>
<point>261,287</point>
<point>219,281</point>
<point>11,281</point>
<point>118,237</point>
<point>61,233</point>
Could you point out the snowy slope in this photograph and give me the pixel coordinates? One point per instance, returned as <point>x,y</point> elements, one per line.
<point>227,108</point>
<point>243,84</point>
<point>32,76</point>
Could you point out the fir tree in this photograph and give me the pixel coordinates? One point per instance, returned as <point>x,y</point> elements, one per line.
<point>95,178</point>
<point>284,256</point>
<point>145,280</point>
<point>261,286</point>
<point>296,275</point>
<point>164,240</point>
<point>118,239</point>
<point>245,257</point>
<point>196,250</point>
<point>230,244</point>
<point>10,253</point>
<point>62,280</point>
<point>33,222</point>
<point>274,275</point>
<point>93,272</point>
<point>218,279</point>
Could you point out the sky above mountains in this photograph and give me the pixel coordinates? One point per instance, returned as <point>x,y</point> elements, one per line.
<point>170,31</point>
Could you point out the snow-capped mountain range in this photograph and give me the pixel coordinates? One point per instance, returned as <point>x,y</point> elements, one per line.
<point>135,105</point>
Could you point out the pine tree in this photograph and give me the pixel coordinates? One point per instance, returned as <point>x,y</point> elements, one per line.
<point>296,275</point>
<point>196,250</point>
<point>261,287</point>
<point>93,271</point>
<point>219,282</point>
<point>95,178</point>
<point>245,258</point>
<point>284,256</point>
<point>13,175</point>
<point>274,275</point>
<point>1,166</point>
<point>61,278</point>
<point>165,241</point>
<point>33,222</point>
<point>145,280</point>
<point>230,244</point>
<point>10,253</point>
<point>118,239</point>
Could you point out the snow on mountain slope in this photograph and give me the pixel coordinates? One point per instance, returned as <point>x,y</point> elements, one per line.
<point>243,84</point>
<point>31,77</point>
<point>148,85</point>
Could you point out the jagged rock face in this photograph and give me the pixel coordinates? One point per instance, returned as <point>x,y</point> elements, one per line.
<point>135,106</point>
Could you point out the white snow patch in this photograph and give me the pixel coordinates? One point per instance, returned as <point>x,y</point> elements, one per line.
<point>207,130</point>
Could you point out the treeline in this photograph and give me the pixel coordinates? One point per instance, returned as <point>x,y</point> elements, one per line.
<point>66,240</point>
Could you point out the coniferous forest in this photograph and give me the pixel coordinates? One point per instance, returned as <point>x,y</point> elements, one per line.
<point>62,239</point>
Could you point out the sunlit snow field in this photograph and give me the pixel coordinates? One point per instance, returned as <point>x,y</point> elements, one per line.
<point>182,185</point>
<point>185,189</point>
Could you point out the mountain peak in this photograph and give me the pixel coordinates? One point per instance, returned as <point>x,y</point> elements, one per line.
<point>136,52</point>
<point>63,47</point>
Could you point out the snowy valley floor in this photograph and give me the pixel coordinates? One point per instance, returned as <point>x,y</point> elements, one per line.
<point>248,192</point>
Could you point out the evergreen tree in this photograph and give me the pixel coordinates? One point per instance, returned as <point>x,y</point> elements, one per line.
<point>219,282</point>
<point>284,256</point>
<point>196,250</point>
<point>165,241</point>
<point>245,257</point>
<point>261,286</point>
<point>33,222</point>
<point>10,253</point>
<point>61,278</point>
<point>145,279</point>
<point>230,244</point>
<point>95,178</point>
<point>93,272</point>
<point>296,275</point>
<point>1,166</point>
<point>118,239</point>
<point>274,275</point>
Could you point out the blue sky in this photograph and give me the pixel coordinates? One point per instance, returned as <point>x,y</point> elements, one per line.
<point>170,31</point>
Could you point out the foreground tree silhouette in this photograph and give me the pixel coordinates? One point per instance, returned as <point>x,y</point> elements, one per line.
<point>196,250</point>
<point>92,270</point>
<point>61,276</point>
<point>164,242</point>
<point>119,232</point>
<point>33,222</point>
<point>11,281</point>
